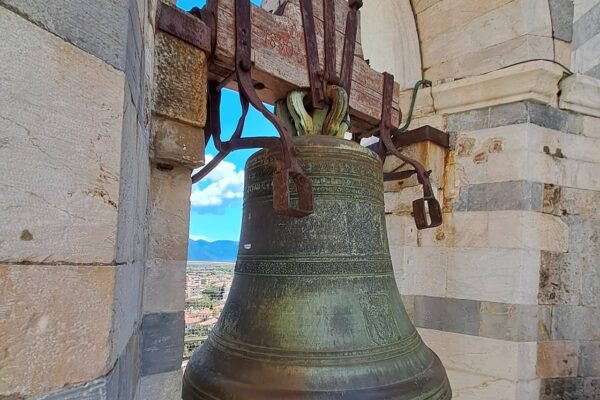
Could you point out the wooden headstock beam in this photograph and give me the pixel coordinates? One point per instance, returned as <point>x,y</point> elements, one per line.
<point>279,57</point>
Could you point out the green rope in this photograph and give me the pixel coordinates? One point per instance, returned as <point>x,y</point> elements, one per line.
<point>418,85</point>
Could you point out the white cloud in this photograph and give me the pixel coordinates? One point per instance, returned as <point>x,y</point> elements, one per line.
<point>225,183</point>
<point>198,237</point>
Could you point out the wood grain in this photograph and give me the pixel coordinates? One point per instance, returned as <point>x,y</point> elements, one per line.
<point>279,57</point>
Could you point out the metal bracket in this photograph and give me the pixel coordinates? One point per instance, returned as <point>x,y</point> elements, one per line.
<point>288,167</point>
<point>427,211</point>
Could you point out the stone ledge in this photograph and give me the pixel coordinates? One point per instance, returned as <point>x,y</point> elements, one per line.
<point>176,143</point>
<point>581,94</point>
<point>536,80</point>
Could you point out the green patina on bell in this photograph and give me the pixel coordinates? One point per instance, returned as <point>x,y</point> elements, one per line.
<point>314,311</point>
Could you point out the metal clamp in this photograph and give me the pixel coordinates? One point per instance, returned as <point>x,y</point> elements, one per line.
<point>427,211</point>
<point>320,79</point>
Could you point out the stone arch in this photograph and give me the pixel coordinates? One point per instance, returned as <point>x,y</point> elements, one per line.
<point>390,40</point>
<point>450,40</point>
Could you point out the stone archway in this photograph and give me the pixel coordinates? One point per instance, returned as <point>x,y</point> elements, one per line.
<point>390,40</point>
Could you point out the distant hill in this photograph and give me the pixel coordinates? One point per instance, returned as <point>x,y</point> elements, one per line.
<point>221,250</point>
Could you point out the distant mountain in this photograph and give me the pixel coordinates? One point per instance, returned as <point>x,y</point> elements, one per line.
<point>221,250</point>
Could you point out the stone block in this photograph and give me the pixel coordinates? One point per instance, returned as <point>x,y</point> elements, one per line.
<point>527,152</point>
<point>134,58</point>
<point>561,13</point>
<point>169,213</point>
<point>499,25</point>
<point>443,17</point>
<point>513,114</point>
<point>164,286</point>
<point>472,386</point>
<point>582,7</point>
<point>56,323</point>
<point>493,58</point>
<point>561,389</point>
<point>580,93</point>
<point>423,271</point>
<point>570,389</point>
<point>557,359</point>
<point>534,81</point>
<point>562,52</point>
<point>494,275</point>
<point>591,388</point>
<point>401,230</point>
<point>76,142</point>
<point>97,27</point>
<point>166,386</point>
<point>100,389</point>
<point>514,195</point>
<point>177,143</point>
<point>585,58</point>
<point>589,362</point>
<point>423,105</point>
<point>547,116</point>
<point>180,74</point>
<point>584,235</point>
<point>128,295</point>
<point>421,5</point>
<point>499,229</point>
<point>587,26</point>
<point>590,279</point>
<point>594,72</point>
<point>409,306</point>
<point>483,356</point>
<point>591,126</point>
<point>514,322</point>
<point>575,323</point>
<point>162,343</point>
<point>132,227</point>
<point>560,278</point>
<point>120,383</point>
<point>448,315</point>
<point>126,374</point>
<point>489,117</point>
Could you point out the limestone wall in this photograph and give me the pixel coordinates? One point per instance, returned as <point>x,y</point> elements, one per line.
<point>506,290</point>
<point>586,37</point>
<point>93,238</point>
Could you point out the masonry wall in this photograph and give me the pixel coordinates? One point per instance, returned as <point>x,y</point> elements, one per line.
<point>586,37</point>
<point>94,209</point>
<point>506,291</point>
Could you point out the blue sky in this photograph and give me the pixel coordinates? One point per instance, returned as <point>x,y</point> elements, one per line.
<point>217,200</point>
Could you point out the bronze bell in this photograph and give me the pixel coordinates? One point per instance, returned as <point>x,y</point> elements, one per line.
<point>314,311</point>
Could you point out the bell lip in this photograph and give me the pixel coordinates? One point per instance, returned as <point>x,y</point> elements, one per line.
<point>441,390</point>
<point>317,141</point>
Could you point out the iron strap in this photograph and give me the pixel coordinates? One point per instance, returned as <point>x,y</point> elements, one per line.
<point>312,54</point>
<point>288,166</point>
<point>426,211</point>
